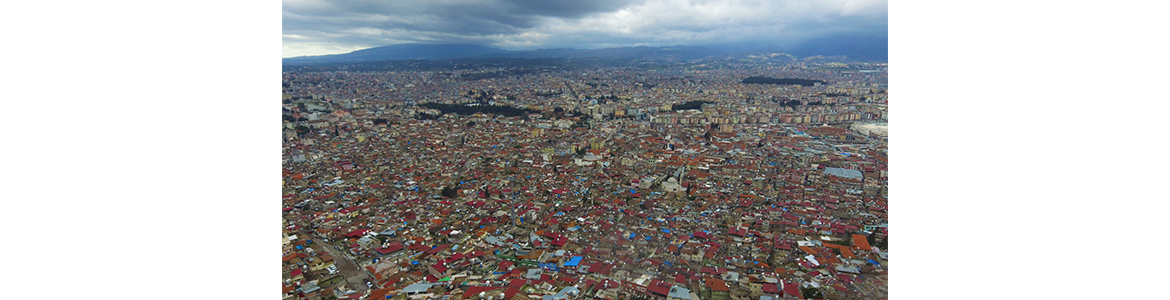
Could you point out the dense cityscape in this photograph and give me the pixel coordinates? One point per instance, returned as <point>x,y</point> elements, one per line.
<point>581,150</point>
<point>755,178</point>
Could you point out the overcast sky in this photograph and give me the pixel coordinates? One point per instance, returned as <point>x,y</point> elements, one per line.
<point>315,27</point>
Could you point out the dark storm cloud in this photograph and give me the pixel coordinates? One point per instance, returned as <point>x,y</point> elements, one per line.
<point>457,17</point>
<point>331,26</point>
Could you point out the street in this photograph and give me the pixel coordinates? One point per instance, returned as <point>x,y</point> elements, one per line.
<point>351,271</point>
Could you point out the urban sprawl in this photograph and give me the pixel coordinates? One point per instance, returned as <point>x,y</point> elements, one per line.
<point>683,181</point>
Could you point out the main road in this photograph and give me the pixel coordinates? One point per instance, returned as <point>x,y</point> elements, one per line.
<point>354,275</point>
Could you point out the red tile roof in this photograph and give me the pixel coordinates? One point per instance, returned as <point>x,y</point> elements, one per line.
<point>717,285</point>
<point>738,231</point>
<point>791,288</point>
<point>860,242</point>
<point>472,291</point>
<point>510,292</point>
<point>659,287</point>
<point>517,283</point>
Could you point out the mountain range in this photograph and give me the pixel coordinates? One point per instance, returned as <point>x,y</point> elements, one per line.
<point>854,48</point>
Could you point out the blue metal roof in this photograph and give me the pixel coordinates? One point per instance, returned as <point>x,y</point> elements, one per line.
<point>574,261</point>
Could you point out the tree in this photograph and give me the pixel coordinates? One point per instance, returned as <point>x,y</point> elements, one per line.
<point>698,104</point>
<point>811,292</point>
<point>448,191</point>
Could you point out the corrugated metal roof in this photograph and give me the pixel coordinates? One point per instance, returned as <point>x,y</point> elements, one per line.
<point>846,173</point>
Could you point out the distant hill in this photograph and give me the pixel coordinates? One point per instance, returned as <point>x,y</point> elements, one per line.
<point>539,53</point>
<point>450,51</point>
<point>639,52</point>
<point>853,47</point>
<point>401,52</point>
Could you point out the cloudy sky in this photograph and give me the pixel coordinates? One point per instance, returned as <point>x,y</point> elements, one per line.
<point>315,27</point>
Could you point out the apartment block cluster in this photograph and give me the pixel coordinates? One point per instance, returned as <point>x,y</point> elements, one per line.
<point>593,196</point>
<point>620,92</point>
